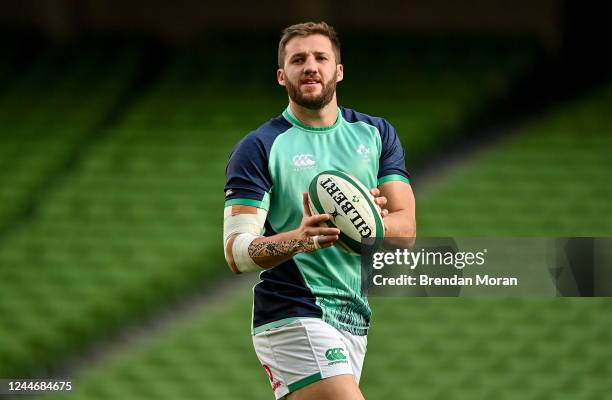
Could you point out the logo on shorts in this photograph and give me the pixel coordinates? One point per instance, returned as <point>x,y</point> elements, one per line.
<point>335,355</point>
<point>275,384</point>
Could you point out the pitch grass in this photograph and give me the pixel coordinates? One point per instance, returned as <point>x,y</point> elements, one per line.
<point>436,348</point>
<point>418,348</point>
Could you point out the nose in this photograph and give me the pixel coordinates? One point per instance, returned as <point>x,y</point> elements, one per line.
<point>310,64</point>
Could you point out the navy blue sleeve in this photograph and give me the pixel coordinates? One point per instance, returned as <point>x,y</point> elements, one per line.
<point>392,163</point>
<point>247,177</point>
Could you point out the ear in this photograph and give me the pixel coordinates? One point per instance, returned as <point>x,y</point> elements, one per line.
<point>280,76</point>
<point>339,72</point>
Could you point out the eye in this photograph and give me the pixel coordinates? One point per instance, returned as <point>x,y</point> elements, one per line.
<point>297,60</point>
<point>322,58</point>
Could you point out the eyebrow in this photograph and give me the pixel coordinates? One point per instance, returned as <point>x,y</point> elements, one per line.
<point>303,53</point>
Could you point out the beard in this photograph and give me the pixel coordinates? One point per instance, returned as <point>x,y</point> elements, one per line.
<point>328,89</point>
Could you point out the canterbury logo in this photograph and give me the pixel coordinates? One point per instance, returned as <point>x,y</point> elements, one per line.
<point>335,354</point>
<point>303,160</point>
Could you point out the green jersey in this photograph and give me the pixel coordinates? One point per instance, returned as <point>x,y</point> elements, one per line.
<point>270,169</point>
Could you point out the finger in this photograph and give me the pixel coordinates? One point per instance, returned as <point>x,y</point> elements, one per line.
<point>375,192</point>
<point>384,212</point>
<point>320,241</point>
<point>316,219</point>
<point>315,242</point>
<point>322,231</point>
<point>326,241</point>
<point>381,200</point>
<point>305,203</point>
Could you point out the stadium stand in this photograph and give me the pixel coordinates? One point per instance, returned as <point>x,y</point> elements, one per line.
<point>135,224</point>
<point>433,90</point>
<point>529,184</point>
<point>549,181</point>
<point>48,112</point>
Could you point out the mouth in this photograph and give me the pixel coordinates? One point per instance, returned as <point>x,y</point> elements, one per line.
<point>310,82</point>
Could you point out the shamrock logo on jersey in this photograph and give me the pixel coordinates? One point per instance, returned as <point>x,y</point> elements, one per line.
<point>363,151</point>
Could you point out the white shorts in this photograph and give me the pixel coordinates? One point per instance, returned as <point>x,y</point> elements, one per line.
<point>305,351</point>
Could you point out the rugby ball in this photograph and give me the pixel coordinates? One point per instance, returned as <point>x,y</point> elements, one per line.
<point>351,206</point>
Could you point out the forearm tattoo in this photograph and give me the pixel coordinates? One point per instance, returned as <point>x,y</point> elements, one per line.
<point>283,248</point>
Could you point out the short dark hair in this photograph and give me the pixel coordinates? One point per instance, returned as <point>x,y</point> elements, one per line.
<point>307,29</point>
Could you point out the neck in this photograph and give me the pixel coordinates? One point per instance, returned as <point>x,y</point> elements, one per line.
<point>321,118</point>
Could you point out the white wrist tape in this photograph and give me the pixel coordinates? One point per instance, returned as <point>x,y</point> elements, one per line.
<point>245,228</point>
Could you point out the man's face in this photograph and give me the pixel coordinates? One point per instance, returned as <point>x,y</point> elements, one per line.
<point>310,72</point>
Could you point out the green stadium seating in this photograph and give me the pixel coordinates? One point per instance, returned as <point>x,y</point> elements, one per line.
<point>47,113</point>
<point>554,179</point>
<point>435,348</point>
<point>135,224</point>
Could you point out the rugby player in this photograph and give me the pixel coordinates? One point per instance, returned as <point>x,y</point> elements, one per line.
<point>310,311</point>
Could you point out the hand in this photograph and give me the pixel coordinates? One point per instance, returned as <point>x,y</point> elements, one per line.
<point>312,232</point>
<point>381,202</point>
